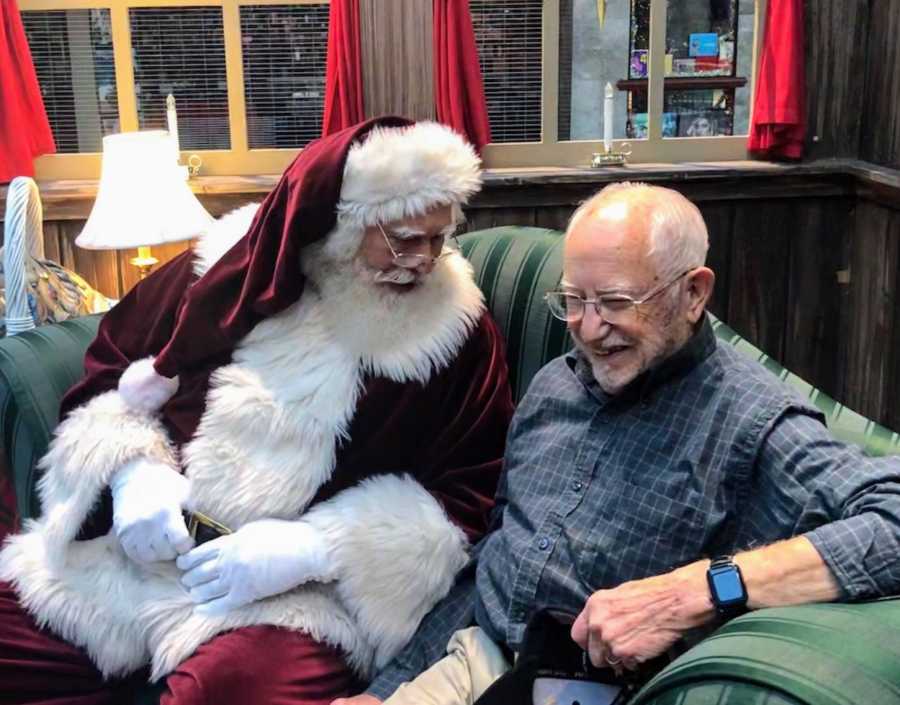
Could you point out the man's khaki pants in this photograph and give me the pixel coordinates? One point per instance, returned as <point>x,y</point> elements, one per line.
<point>472,663</point>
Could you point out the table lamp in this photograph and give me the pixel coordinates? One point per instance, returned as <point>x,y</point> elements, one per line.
<point>143,198</point>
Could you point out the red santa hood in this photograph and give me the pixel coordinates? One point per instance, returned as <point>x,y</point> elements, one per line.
<point>381,170</point>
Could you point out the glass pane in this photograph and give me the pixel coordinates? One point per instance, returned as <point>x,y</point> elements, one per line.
<point>701,37</point>
<point>590,57</point>
<point>73,59</point>
<point>746,14</point>
<point>698,113</point>
<point>508,36</point>
<point>284,51</point>
<point>182,51</point>
<point>703,50</point>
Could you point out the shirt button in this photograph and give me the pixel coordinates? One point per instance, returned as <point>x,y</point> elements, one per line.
<point>576,485</point>
<point>544,543</point>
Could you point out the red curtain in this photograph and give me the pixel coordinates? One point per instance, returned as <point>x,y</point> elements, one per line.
<point>343,71</point>
<point>779,108</point>
<point>458,89</point>
<point>24,129</point>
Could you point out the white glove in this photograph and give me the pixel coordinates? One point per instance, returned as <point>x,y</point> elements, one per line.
<point>148,497</point>
<point>262,558</point>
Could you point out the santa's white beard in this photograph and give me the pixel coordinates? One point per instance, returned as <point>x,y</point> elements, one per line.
<point>370,315</point>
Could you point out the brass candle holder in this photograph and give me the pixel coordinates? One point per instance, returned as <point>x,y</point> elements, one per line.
<point>609,157</point>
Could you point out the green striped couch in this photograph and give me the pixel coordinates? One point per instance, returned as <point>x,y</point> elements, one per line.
<point>514,267</point>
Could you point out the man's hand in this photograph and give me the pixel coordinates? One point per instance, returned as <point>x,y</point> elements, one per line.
<point>148,497</point>
<point>641,619</point>
<point>262,558</point>
<point>357,700</point>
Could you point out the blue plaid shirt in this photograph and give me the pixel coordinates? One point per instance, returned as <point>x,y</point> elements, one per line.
<point>707,454</point>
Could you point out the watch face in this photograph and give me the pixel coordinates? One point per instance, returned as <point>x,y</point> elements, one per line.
<point>728,586</point>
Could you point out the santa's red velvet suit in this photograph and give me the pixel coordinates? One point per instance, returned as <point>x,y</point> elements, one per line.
<point>299,393</point>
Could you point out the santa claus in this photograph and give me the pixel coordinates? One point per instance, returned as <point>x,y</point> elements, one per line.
<point>319,388</point>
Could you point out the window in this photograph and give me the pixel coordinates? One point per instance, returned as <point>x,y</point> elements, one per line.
<point>284,51</point>
<point>248,77</point>
<point>707,63</point>
<point>508,36</point>
<point>73,58</point>
<point>181,51</point>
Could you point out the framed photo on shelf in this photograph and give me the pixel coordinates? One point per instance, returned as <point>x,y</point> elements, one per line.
<point>705,123</point>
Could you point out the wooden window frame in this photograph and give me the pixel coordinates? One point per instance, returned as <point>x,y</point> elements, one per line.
<point>550,151</point>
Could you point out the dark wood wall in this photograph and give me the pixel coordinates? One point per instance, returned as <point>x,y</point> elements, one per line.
<point>880,135</point>
<point>853,80</point>
<point>836,42</point>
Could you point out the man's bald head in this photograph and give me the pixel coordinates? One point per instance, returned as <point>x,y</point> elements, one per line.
<point>666,227</point>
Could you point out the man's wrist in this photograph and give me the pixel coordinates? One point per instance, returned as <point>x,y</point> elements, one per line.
<point>693,593</point>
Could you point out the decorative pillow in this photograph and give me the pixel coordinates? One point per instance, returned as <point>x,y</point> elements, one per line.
<point>54,293</point>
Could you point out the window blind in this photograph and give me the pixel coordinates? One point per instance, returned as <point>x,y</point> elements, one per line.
<point>73,58</point>
<point>284,52</point>
<point>508,35</point>
<point>182,51</point>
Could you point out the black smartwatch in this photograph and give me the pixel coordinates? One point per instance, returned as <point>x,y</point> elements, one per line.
<point>726,586</point>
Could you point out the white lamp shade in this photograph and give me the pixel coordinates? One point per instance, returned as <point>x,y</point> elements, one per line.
<point>143,197</point>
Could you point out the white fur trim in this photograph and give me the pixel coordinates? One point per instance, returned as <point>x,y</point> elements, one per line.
<point>400,172</point>
<point>221,236</point>
<point>143,389</point>
<point>126,615</point>
<point>267,439</point>
<point>395,552</point>
<point>92,443</point>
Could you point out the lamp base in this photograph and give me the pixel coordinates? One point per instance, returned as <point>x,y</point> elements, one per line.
<point>144,261</point>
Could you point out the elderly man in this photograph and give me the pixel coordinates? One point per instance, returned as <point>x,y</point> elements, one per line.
<point>636,458</point>
<point>283,446</point>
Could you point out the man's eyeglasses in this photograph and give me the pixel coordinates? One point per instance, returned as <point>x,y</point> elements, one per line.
<point>612,308</point>
<point>409,260</point>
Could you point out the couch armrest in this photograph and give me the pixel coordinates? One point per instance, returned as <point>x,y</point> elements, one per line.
<point>36,369</point>
<point>826,654</point>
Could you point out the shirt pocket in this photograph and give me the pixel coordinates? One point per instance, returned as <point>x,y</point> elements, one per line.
<point>641,525</point>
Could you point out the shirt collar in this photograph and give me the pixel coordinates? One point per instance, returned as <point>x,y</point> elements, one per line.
<point>698,347</point>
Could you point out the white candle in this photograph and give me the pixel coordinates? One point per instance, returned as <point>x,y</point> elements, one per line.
<point>608,103</point>
<point>172,120</point>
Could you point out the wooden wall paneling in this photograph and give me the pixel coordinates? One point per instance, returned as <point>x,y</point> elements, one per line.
<point>51,240</point>
<point>891,406</point>
<point>875,253</point>
<point>719,217</point>
<point>815,297</point>
<point>758,272</point>
<point>480,218</point>
<point>97,267</point>
<point>880,141</point>
<point>835,79</point>
<point>553,217</point>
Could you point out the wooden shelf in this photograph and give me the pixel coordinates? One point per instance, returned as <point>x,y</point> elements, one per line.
<point>684,83</point>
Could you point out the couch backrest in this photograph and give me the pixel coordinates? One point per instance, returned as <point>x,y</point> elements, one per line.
<point>514,267</point>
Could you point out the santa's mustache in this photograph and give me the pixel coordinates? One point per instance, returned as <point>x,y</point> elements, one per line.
<point>398,275</point>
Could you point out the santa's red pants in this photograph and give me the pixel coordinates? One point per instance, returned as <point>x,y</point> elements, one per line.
<point>251,665</point>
